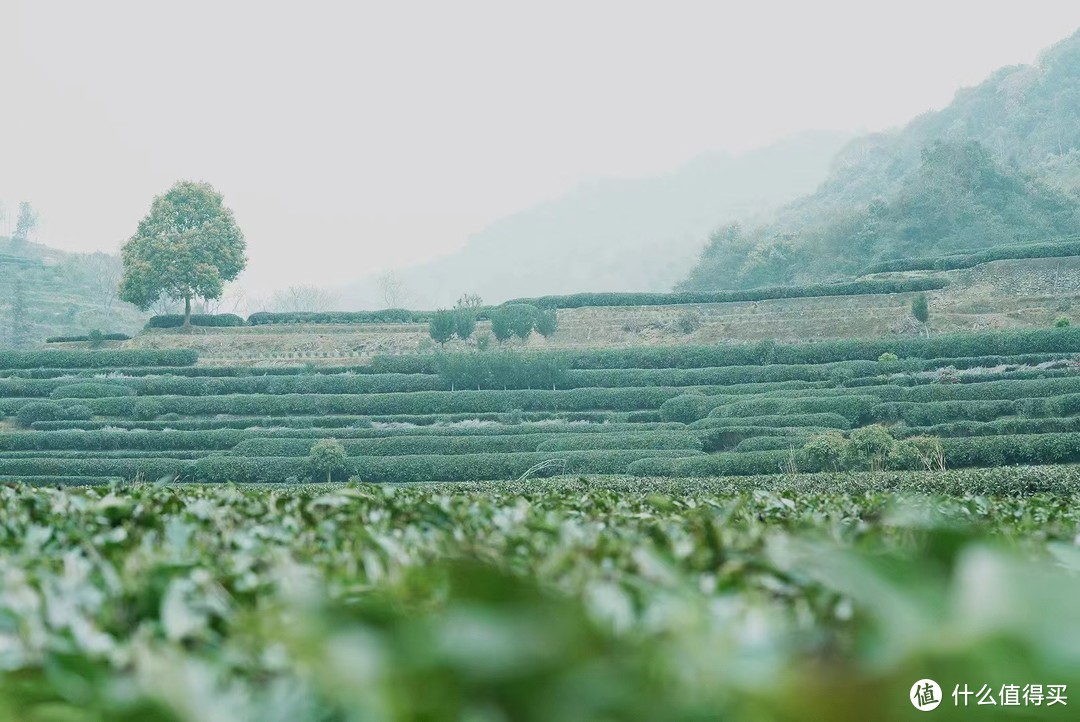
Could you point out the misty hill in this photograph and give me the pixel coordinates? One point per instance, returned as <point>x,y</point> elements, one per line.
<point>1000,164</point>
<point>614,235</point>
<point>46,292</point>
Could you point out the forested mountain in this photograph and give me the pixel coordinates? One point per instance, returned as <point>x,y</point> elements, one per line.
<point>615,235</point>
<point>1000,164</point>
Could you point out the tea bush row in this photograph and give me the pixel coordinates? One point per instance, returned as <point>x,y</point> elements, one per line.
<point>96,359</point>
<point>851,288</point>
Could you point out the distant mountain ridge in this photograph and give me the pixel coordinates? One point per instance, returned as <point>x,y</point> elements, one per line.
<point>614,235</point>
<point>999,164</point>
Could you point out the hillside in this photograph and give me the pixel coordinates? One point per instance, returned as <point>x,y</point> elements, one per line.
<point>1000,164</point>
<point>614,235</point>
<point>45,292</point>
<point>1005,294</point>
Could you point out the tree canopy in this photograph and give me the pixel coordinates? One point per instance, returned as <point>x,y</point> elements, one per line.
<point>187,247</point>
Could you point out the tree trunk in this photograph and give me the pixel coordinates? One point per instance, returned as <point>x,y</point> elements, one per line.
<point>187,312</point>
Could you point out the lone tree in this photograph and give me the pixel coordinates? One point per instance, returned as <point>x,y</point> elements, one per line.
<point>920,309</point>
<point>187,247</point>
<point>443,325</point>
<point>522,319</point>
<point>547,322</point>
<point>464,323</point>
<point>24,224</point>
<point>327,456</point>
<point>502,324</point>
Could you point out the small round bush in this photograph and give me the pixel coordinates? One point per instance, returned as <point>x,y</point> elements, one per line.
<point>1062,322</point>
<point>688,322</point>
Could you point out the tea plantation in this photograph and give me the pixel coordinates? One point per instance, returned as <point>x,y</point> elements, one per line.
<point>744,531</point>
<point>969,400</point>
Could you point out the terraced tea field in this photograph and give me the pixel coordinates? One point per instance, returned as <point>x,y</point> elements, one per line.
<point>988,399</point>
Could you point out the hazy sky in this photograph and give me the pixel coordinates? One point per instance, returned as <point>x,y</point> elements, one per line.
<point>351,137</point>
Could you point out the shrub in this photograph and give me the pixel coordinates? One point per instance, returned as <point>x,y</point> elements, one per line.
<point>1062,322</point>
<point>688,322</point>
<point>175,320</point>
<point>868,448</point>
<point>442,326</point>
<point>827,450</point>
<point>917,452</point>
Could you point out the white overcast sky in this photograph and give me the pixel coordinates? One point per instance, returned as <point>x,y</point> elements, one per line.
<point>352,137</point>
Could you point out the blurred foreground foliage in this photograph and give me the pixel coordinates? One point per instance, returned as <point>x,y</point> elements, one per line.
<point>560,599</point>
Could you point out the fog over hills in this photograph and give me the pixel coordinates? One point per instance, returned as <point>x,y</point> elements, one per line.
<point>1000,164</point>
<point>626,235</point>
